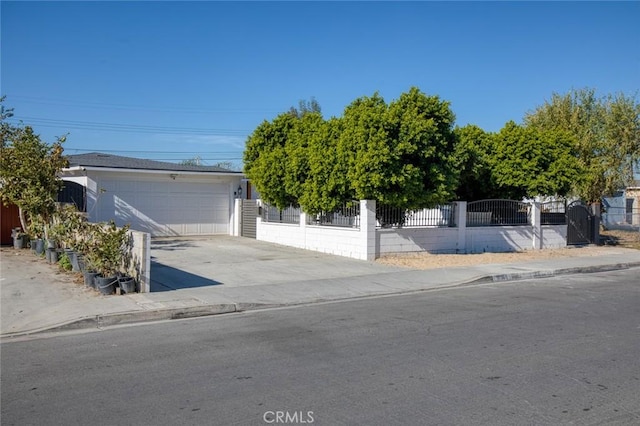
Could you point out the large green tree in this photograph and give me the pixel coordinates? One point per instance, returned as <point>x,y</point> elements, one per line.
<point>527,162</point>
<point>276,154</point>
<point>472,160</point>
<point>606,130</point>
<point>327,186</point>
<point>265,159</point>
<point>399,154</point>
<point>29,172</point>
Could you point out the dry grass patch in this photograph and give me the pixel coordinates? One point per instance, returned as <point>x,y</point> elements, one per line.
<point>425,260</point>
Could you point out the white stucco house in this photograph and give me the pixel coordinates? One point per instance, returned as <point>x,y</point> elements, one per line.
<point>623,209</point>
<point>161,198</point>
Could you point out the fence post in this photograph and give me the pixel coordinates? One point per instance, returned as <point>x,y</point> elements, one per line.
<point>536,223</point>
<point>237,217</point>
<point>461,224</point>
<point>596,211</point>
<point>368,229</point>
<point>303,228</point>
<point>144,239</point>
<point>258,219</point>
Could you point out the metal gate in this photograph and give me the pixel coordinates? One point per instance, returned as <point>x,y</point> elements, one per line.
<point>580,223</point>
<point>249,216</point>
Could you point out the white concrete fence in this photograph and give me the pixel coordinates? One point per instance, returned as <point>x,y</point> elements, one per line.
<point>139,259</point>
<point>369,242</point>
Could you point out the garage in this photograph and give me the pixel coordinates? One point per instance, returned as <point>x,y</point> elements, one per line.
<point>166,208</point>
<point>163,199</point>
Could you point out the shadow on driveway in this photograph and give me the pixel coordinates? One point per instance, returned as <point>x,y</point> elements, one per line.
<point>171,244</point>
<point>167,278</point>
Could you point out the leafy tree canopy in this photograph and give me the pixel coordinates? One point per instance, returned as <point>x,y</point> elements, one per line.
<point>527,162</point>
<point>265,160</point>
<point>606,131</point>
<point>29,172</point>
<point>472,160</point>
<point>306,107</point>
<point>397,153</point>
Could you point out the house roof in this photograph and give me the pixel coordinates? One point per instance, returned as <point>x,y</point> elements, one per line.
<point>98,159</point>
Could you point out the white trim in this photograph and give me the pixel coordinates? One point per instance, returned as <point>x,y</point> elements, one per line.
<point>149,171</point>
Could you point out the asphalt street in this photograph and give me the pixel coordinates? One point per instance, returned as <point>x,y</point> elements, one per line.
<point>552,351</point>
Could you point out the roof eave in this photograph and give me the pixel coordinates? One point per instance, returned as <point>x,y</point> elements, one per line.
<point>151,171</point>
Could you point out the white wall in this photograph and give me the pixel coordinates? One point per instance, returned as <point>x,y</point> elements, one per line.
<point>281,233</point>
<point>368,243</point>
<point>130,197</point>
<point>356,243</point>
<point>554,236</point>
<point>498,239</point>
<point>433,240</point>
<point>139,265</point>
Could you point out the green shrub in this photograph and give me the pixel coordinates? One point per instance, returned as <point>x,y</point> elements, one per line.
<point>65,262</point>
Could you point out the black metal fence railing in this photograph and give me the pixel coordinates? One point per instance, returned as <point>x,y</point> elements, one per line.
<point>498,213</point>
<point>347,216</point>
<point>394,217</point>
<point>479,213</point>
<point>274,215</point>
<point>553,213</point>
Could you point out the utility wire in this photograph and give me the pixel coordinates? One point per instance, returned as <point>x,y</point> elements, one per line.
<point>134,128</point>
<point>100,105</point>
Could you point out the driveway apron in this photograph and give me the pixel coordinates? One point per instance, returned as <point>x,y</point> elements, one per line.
<point>181,263</point>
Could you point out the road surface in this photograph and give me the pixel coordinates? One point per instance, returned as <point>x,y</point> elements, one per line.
<point>556,351</point>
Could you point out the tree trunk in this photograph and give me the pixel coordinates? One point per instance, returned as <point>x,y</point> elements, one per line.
<point>23,219</point>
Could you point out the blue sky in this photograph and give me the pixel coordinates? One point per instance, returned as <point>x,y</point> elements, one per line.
<point>175,80</point>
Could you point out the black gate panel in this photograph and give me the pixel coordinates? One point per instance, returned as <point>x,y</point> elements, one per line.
<point>579,224</point>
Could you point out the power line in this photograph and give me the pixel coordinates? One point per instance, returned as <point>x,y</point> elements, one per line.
<point>132,128</point>
<point>100,105</point>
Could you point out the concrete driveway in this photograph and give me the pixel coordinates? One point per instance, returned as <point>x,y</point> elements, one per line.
<point>189,262</point>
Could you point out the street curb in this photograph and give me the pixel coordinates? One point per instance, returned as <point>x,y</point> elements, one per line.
<point>134,317</point>
<point>549,273</point>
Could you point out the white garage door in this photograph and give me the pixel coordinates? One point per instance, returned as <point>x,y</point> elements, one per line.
<point>166,208</point>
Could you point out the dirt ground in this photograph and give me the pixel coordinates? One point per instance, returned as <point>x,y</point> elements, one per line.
<point>431,261</point>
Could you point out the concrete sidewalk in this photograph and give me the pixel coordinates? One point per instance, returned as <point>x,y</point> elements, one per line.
<point>36,297</point>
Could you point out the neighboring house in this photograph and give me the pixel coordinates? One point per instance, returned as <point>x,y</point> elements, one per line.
<point>623,209</point>
<point>164,199</point>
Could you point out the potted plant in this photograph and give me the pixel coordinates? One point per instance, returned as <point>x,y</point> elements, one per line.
<point>19,238</point>
<point>53,231</point>
<point>70,224</point>
<point>127,283</point>
<point>90,271</point>
<point>108,254</point>
<point>91,259</point>
<point>36,231</point>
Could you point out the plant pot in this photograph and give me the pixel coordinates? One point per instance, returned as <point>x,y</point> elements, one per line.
<point>106,285</point>
<point>52,255</point>
<point>72,259</point>
<point>89,279</point>
<point>37,246</point>
<point>127,284</point>
<point>19,242</point>
<point>51,244</point>
<point>77,262</point>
